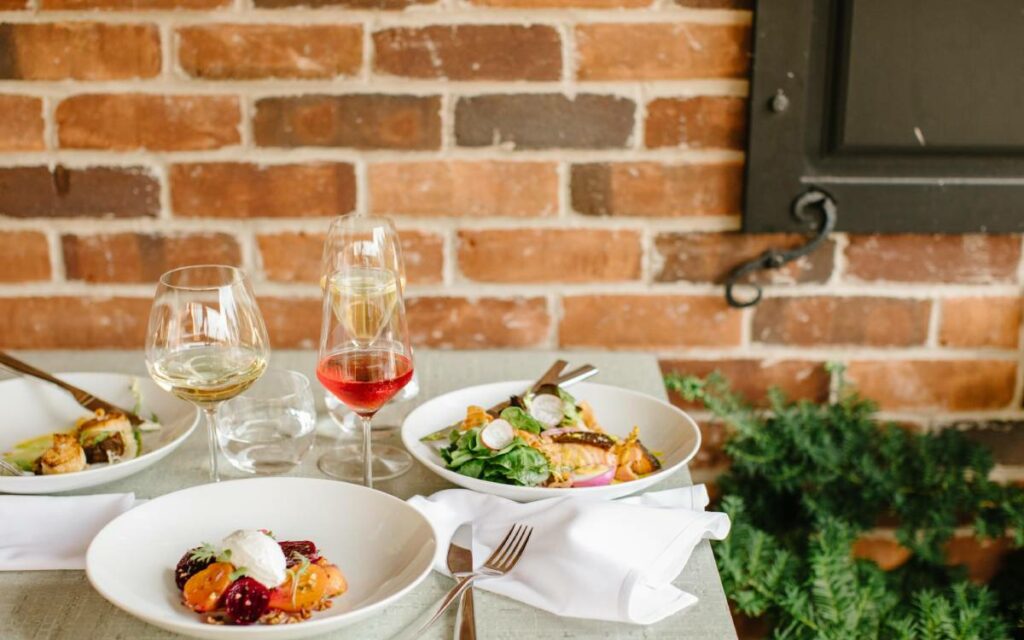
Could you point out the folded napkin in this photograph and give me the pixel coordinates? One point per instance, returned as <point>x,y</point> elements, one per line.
<point>45,532</point>
<point>603,560</point>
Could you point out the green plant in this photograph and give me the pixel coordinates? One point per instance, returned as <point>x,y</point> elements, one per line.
<point>806,478</point>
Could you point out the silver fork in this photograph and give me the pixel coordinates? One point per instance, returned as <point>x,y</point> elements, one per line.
<point>501,562</point>
<point>8,469</point>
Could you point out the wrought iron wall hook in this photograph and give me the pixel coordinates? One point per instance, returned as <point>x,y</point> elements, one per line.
<point>775,258</point>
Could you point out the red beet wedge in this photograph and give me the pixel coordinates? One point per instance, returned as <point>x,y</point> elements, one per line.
<point>246,600</point>
<point>305,547</point>
<point>194,561</point>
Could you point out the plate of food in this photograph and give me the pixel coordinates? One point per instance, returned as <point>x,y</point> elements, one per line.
<point>66,447</point>
<point>590,439</point>
<point>262,557</point>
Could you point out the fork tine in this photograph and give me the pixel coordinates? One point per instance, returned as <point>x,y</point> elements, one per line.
<point>522,548</point>
<point>514,554</point>
<point>510,547</point>
<point>500,547</point>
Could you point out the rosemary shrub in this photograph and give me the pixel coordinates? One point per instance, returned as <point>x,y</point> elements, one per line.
<point>806,478</point>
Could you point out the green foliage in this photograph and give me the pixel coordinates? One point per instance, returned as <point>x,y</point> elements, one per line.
<point>806,478</point>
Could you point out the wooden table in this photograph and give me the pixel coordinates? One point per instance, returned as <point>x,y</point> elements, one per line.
<point>61,604</point>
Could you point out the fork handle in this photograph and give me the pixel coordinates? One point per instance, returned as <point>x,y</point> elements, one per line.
<point>414,629</point>
<point>465,617</point>
<point>81,396</point>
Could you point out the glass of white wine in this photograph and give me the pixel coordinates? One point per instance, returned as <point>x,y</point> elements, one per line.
<point>206,341</point>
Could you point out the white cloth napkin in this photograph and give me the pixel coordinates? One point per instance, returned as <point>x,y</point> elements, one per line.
<point>603,560</point>
<point>45,532</point>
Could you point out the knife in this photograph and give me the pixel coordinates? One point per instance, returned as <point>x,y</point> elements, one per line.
<point>460,560</point>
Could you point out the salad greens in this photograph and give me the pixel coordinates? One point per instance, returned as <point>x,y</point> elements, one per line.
<point>516,463</point>
<point>520,419</point>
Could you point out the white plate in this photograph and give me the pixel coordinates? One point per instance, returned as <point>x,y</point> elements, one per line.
<point>33,408</point>
<point>382,545</point>
<point>664,429</point>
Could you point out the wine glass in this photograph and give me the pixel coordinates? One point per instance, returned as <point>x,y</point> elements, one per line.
<point>364,357</point>
<point>206,341</point>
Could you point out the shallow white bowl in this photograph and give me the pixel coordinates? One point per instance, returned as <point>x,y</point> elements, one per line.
<point>33,408</point>
<point>664,429</point>
<point>382,545</point>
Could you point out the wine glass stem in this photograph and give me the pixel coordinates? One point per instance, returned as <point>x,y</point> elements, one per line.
<point>211,431</point>
<point>367,456</point>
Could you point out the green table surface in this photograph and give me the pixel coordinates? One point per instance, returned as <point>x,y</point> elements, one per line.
<point>61,604</point>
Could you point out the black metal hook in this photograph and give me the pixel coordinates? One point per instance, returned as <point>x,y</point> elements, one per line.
<point>775,258</point>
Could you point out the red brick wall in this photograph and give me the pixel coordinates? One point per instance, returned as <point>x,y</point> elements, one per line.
<point>566,173</point>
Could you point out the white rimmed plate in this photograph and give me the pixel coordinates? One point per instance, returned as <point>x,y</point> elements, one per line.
<point>664,429</point>
<point>382,545</point>
<point>32,408</point>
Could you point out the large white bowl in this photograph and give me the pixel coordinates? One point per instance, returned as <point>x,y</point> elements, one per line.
<point>33,408</point>
<point>664,429</point>
<point>382,545</point>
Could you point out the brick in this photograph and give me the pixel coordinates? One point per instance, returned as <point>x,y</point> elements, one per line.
<point>883,550</point>
<point>854,320</point>
<point>710,257</point>
<point>241,190</point>
<point>982,558</point>
<point>702,122</point>
<point>1005,438</point>
<point>562,4</point>
<point>73,322</point>
<point>21,128</point>
<point>752,379</point>
<point>544,121</point>
<point>364,121</point>
<point>610,51</point>
<point>118,192</point>
<point>24,256</point>
<point>967,259</point>
<point>251,51</point>
<point>78,51</point>
<point>955,385</point>
<point>657,190</point>
<point>464,189</point>
<point>129,5</point>
<point>292,323</point>
<point>349,4</point>
<point>481,323</point>
<point>980,322</point>
<point>125,122</point>
<point>717,4</point>
<point>143,257</point>
<point>296,256</point>
<point>549,255</point>
<point>13,5</point>
<point>648,322</point>
<point>470,52</point>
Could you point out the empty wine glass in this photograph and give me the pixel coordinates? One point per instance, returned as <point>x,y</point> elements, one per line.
<point>364,356</point>
<point>206,341</point>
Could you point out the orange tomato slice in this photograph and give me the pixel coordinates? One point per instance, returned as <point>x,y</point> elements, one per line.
<point>309,591</point>
<point>203,591</point>
<point>336,583</point>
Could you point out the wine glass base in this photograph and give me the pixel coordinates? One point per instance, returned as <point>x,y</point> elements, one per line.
<point>346,462</point>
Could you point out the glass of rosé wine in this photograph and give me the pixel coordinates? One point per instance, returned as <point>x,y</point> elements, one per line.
<point>364,357</point>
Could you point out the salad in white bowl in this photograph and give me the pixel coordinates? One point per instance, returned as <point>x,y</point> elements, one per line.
<point>596,440</point>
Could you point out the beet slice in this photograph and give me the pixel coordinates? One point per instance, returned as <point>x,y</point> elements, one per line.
<point>246,600</point>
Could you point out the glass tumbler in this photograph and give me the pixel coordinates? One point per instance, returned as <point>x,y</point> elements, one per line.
<point>270,428</point>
